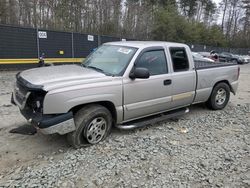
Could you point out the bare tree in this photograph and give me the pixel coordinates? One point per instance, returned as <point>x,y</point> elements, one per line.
<point>130,18</point>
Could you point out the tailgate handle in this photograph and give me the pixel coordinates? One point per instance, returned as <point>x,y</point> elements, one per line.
<point>167,82</point>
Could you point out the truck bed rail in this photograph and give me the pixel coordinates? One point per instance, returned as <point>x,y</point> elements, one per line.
<point>205,64</point>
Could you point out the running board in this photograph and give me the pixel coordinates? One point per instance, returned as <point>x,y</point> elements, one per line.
<point>152,119</point>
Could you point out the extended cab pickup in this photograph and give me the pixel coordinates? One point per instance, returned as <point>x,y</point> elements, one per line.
<point>122,84</point>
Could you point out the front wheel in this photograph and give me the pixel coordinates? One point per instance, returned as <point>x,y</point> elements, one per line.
<point>219,97</point>
<point>93,124</point>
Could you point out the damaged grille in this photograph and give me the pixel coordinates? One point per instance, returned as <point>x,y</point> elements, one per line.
<point>28,96</point>
<point>35,101</point>
<point>20,93</point>
<point>21,88</point>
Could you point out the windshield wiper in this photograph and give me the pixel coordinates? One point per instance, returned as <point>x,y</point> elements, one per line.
<point>98,69</point>
<point>95,68</point>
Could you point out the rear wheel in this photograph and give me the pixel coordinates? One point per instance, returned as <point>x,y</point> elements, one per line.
<point>93,124</point>
<point>219,97</point>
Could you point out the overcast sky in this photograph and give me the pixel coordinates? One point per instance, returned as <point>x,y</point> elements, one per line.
<point>219,16</point>
<point>217,1</point>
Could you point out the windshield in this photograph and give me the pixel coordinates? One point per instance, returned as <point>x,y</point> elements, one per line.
<point>110,59</point>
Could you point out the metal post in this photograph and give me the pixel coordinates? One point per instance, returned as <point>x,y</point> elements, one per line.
<point>38,44</point>
<point>99,40</point>
<point>72,45</point>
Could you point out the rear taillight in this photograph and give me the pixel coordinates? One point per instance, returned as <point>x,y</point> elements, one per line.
<point>238,73</point>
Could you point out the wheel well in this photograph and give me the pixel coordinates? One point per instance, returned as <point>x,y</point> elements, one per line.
<point>226,82</point>
<point>107,104</point>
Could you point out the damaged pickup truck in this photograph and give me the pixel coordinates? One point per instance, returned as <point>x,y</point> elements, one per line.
<point>122,84</point>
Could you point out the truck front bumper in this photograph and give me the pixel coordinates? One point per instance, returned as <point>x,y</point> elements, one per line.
<point>61,128</point>
<point>51,124</point>
<point>48,124</point>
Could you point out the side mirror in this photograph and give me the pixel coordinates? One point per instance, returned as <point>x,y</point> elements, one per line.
<point>139,72</point>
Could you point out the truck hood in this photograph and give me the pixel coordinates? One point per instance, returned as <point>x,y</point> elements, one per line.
<point>60,76</point>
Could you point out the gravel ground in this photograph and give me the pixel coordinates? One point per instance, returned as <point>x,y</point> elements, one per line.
<point>201,149</point>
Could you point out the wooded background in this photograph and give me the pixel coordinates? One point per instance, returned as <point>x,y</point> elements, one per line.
<point>188,21</point>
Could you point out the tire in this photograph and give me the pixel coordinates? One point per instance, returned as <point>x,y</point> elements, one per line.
<point>219,97</point>
<point>93,124</point>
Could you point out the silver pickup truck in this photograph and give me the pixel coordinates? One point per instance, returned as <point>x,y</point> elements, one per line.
<point>122,84</point>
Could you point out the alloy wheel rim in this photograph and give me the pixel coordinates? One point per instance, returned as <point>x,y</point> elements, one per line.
<point>96,130</point>
<point>220,97</point>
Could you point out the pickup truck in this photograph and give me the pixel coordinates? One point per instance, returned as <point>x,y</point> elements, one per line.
<point>121,84</point>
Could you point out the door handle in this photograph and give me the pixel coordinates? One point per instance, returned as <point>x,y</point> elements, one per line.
<point>167,82</point>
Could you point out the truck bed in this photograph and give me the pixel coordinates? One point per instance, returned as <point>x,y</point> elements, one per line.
<point>206,64</point>
<point>208,74</point>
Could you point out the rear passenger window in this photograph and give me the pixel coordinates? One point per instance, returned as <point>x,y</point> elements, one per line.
<point>154,61</point>
<point>179,59</point>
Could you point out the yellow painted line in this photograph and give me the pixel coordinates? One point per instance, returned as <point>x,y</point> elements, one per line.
<point>46,60</point>
<point>182,96</point>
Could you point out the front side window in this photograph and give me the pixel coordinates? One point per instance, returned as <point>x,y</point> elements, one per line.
<point>110,59</point>
<point>154,61</point>
<point>179,59</point>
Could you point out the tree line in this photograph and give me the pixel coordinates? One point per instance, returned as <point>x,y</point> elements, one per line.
<point>188,21</point>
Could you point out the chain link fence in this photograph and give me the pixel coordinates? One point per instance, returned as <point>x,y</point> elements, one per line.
<point>205,48</point>
<point>19,42</point>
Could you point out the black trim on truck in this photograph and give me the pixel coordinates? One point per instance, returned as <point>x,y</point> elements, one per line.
<point>45,121</point>
<point>206,65</point>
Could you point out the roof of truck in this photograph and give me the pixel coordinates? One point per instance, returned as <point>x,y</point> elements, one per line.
<point>143,44</point>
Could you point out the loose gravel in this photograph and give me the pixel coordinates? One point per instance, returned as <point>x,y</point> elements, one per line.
<point>201,149</point>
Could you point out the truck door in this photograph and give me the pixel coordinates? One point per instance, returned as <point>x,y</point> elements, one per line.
<point>183,78</point>
<point>143,97</point>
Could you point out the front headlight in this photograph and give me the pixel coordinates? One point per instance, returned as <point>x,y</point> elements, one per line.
<point>35,101</point>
